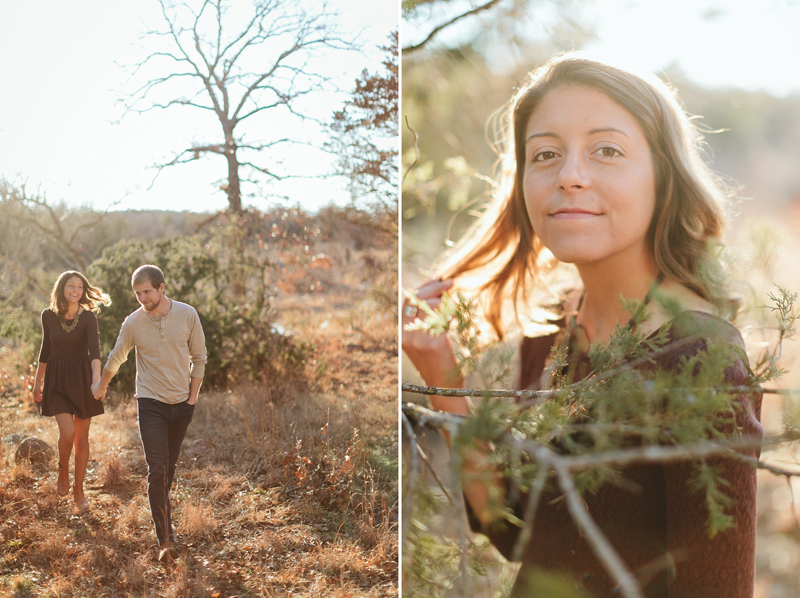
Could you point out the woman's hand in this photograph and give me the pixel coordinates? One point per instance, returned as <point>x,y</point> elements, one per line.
<point>37,390</point>
<point>97,390</point>
<point>433,356</point>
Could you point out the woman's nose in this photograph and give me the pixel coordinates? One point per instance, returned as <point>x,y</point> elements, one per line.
<point>573,173</point>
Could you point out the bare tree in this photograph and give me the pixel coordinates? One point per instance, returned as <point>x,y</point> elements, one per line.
<point>364,138</point>
<point>62,229</point>
<point>211,58</point>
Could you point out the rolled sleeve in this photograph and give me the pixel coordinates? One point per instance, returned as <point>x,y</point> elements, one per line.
<point>119,354</point>
<point>197,348</point>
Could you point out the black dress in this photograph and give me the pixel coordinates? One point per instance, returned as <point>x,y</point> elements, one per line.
<point>69,355</point>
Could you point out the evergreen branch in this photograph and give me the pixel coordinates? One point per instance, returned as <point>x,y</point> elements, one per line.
<point>784,305</point>
<point>651,454</point>
<point>620,457</point>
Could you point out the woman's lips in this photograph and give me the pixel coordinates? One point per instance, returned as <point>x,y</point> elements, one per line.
<point>573,214</point>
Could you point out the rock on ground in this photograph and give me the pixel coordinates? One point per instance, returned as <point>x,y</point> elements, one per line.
<point>34,450</point>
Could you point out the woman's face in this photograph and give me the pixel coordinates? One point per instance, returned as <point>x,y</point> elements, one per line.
<point>589,182</point>
<point>73,290</point>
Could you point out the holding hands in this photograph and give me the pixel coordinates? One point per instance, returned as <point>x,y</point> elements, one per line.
<point>98,390</point>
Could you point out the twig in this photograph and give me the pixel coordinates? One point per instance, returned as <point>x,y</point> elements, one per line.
<point>458,494</point>
<point>793,502</point>
<point>416,151</point>
<point>639,454</point>
<point>758,464</point>
<point>602,547</point>
<point>409,485</point>
<point>422,416</point>
<point>530,514</point>
<point>439,481</point>
<point>474,392</point>
<point>488,5</point>
<point>534,397</point>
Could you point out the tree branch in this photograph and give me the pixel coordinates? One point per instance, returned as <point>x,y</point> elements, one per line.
<point>458,495</point>
<point>423,416</point>
<point>411,482</point>
<point>432,34</point>
<point>534,397</point>
<point>530,514</point>
<point>416,150</point>
<point>603,549</point>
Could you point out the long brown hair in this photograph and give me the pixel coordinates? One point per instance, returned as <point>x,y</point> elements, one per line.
<point>690,199</point>
<point>92,298</point>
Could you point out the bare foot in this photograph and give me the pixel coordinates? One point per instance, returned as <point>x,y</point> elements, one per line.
<point>167,553</point>
<point>62,487</point>
<point>81,502</point>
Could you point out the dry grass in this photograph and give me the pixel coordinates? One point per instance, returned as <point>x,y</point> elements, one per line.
<point>291,495</point>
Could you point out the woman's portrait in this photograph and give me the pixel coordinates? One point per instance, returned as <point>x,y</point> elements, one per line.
<point>592,342</point>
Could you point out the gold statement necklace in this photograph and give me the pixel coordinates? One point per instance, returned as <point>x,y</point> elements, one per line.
<point>71,327</point>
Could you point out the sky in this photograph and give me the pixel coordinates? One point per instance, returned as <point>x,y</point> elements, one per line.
<point>60,129</point>
<point>750,44</point>
<point>61,81</point>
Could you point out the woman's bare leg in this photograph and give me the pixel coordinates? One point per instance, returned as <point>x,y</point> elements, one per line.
<point>81,456</point>
<point>66,438</point>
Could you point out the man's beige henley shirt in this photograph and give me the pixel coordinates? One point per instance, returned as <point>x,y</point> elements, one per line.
<point>169,351</point>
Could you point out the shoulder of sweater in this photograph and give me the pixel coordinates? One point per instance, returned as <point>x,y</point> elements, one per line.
<point>706,326</point>
<point>695,331</point>
<point>133,317</point>
<point>182,307</point>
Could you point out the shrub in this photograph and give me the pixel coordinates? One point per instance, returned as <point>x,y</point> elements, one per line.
<point>225,273</point>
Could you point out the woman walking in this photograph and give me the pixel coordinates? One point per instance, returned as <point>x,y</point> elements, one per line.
<point>69,362</point>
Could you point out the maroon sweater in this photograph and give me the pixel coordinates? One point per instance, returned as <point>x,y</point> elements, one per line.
<point>654,521</point>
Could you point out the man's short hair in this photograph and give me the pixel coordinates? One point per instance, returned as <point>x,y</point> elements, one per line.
<point>147,273</point>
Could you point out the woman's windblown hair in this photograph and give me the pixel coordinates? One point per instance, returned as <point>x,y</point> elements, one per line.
<point>689,215</point>
<point>91,300</point>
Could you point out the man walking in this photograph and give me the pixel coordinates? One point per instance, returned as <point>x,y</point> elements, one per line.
<point>170,362</point>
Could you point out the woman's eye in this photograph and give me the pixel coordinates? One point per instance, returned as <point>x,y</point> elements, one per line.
<point>542,156</point>
<point>608,152</point>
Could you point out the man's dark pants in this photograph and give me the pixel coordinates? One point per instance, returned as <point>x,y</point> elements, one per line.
<point>162,428</point>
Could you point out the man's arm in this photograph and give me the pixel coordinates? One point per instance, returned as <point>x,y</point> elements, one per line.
<point>194,389</point>
<point>100,387</point>
<point>198,357</point>
<point>116,358</point>
<point>197,347</point>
